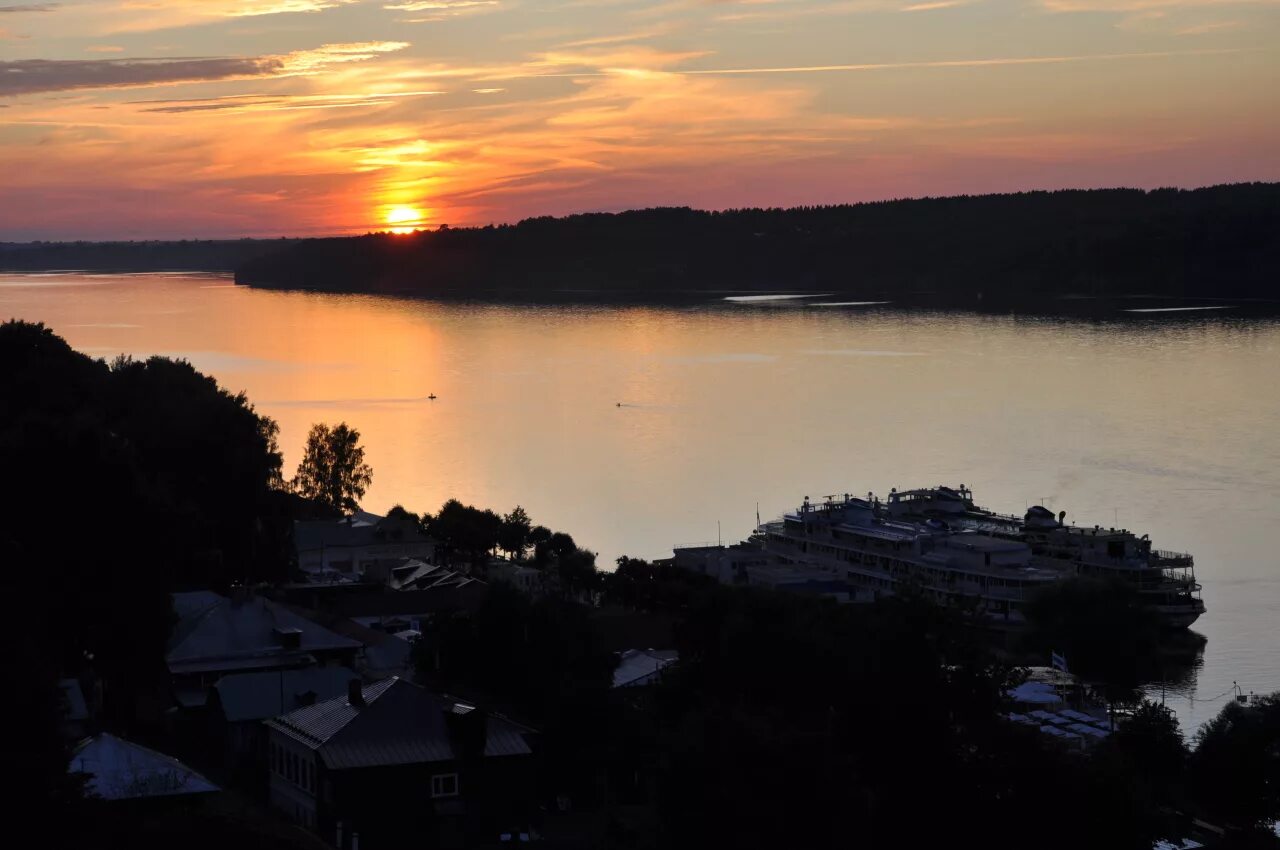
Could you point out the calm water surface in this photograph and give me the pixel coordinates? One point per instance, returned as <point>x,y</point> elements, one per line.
<point>1164,423</point>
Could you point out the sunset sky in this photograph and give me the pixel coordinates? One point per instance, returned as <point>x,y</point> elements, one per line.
<point>174,118</point>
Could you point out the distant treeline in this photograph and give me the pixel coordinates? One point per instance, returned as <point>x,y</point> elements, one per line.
<point>186,255</point>
<point>1220,241</point>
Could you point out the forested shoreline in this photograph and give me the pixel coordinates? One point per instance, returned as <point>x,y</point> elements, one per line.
<point>208,255</point>
<point>1214,242</point>
<point>1069,248</point>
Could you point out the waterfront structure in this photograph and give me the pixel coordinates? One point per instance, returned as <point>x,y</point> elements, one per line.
<point>1165,580</point>
<point>937,541</point>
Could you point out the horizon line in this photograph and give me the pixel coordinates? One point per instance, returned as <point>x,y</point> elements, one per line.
<point>357,232</point>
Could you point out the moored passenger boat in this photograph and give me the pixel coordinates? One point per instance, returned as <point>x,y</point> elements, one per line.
<point>1166,580</point>
<point>937,541</point>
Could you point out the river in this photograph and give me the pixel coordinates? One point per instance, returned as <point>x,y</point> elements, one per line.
<point>636,428</point>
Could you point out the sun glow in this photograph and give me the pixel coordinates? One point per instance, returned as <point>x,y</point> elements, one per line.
<point>404,219</point>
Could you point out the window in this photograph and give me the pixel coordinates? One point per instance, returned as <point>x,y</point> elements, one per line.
<point>444,785</point>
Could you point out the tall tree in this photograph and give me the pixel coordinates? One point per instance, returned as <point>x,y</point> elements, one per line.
<point>514,535</point>
<point>333,470</point>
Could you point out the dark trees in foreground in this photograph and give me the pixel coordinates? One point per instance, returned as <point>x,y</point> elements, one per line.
<point>123,483</point>
<point>1235,769</point>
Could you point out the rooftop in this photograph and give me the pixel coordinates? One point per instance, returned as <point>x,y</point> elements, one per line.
<point>221,633</point>
<point>257,696</point>
<point>640,666</point>
<point>399,723</point>
<point>123,770</point>
<point>360,529</point>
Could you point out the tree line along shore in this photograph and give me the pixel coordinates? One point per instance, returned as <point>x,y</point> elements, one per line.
<point>1221,242</point>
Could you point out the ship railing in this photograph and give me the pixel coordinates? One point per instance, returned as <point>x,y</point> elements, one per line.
<point>700,544</point>
<point>1162,558</point>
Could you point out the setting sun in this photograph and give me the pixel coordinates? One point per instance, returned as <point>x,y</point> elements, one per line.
<point>404,219</point>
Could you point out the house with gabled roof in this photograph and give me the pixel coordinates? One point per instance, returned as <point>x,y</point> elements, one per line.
<point>240,702</point>
<point>391,762</point>
<point>216,636</point>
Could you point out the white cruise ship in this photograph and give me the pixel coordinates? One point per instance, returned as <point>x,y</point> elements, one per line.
<point>937,540</point>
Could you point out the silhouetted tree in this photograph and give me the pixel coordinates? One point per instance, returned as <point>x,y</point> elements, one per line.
<point>399,512</point>
<point>175,476</point>
<point>513,538</point>
<point>1235,768</point>
<point>333,470</point>
<point>466,531</point>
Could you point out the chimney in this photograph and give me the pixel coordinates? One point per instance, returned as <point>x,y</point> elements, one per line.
<point>287,638</point>
<point>467,727</point>
<point>355,693</point>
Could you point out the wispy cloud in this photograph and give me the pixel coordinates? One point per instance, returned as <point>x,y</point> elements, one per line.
<point>1141,5</point>
<point>138,16</point>
<point>29,76</point>
<point>965,63</point>
<point>253,8</point>
<point>936,4</point>
<point>1211,27</point>
<point>29,7</point>
<point>309,61</point>
<point>258,102</point>
<point>438,10</point>
<point>427,5</point>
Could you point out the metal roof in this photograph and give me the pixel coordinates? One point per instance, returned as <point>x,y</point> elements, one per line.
<point>638,667</point>
<point>123,770</point>
<point>257,696</point>
<point>219,632</point>
<point>399,723</point>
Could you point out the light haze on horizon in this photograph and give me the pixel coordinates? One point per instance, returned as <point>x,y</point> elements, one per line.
<point>207,118</point>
